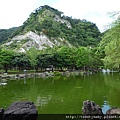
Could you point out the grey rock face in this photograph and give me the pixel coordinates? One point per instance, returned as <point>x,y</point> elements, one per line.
<point>92,110</point>
<point>89,107</point>
<point>21,111</point>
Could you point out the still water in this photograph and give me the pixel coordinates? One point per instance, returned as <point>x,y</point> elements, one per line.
<point>64,94</point>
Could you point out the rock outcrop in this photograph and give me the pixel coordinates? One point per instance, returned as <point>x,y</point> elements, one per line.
<point>91,110</point>
<point>94,111</point>
<point>33,39</point>
<point>89,107</point>
<point>20,111</point>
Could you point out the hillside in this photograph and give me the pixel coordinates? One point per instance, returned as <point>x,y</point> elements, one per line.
<point>47,26</point>
<point>5,34</point>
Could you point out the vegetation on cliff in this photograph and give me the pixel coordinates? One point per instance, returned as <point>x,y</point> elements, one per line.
<point>55,25</point>
<point>6,34</point>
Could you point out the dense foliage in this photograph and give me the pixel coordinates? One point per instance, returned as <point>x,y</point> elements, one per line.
<point>6,57</point>
<point>76,31</point>
<point>89,51</point>
<point>60,58</point>
<point>110,45</point>
<point>5,34</point>
<point>54,24</point>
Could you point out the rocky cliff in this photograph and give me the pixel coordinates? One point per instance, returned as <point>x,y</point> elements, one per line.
<point>25,42</point>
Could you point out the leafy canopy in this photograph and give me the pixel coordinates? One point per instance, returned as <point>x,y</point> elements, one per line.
<point>111,45</point>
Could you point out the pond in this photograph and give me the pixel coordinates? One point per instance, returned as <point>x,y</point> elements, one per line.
<point>64,94</point>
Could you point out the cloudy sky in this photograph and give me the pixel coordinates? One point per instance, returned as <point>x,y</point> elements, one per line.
<point>14,12</point>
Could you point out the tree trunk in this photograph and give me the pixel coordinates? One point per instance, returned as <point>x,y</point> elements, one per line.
<point>34,71</point>
<point>52,68</point>
<point>5,68</point>
<point>19,69</point>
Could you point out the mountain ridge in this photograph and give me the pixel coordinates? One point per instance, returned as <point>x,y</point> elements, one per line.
<point>55,29</point>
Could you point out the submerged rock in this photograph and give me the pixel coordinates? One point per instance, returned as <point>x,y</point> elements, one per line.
<point>21,111</point>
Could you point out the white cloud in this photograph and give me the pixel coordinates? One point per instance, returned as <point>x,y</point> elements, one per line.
<point>91,10</point>
<point>15,12</point>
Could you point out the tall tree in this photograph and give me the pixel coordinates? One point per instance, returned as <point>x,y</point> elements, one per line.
<point>111,41</point>
<point>84,58</point>
<point>21,61</point>
<point>32,54</point>
<point>6,57</point>
<point>62,57</point>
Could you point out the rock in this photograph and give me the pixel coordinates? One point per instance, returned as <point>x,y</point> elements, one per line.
<point>113,111</point>
<point>17,75</point>
<point>22,76</point>
<point>5,73</point>
<point>5,77</point>
<point>1,113</point>
<point>3,83</point>
<point>21,111</point>
<point>92,109</point>
<point>3,80</point>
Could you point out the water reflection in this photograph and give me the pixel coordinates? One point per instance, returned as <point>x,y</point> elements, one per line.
<point>105,107</point>
<point>106,71</point>
<point>113,85</point>
<point>60,94</point>
<point>43,100</point>
<point>24,80</point>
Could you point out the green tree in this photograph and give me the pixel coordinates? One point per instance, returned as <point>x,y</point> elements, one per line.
<point>32,54</point>
<point>46,58</point>
<point>62,56</point>
<point>20,61</point>
<point>98,54</point>
<point>111,43</point>
<point>84,58</point>
<point>6,57</point>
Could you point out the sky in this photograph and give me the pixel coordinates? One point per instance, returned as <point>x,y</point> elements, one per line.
<point>14,12</point>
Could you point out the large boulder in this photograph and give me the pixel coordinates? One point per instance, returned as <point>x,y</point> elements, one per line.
<point>21,111</point>
<point>91,109</point>
<point>1,113</point>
